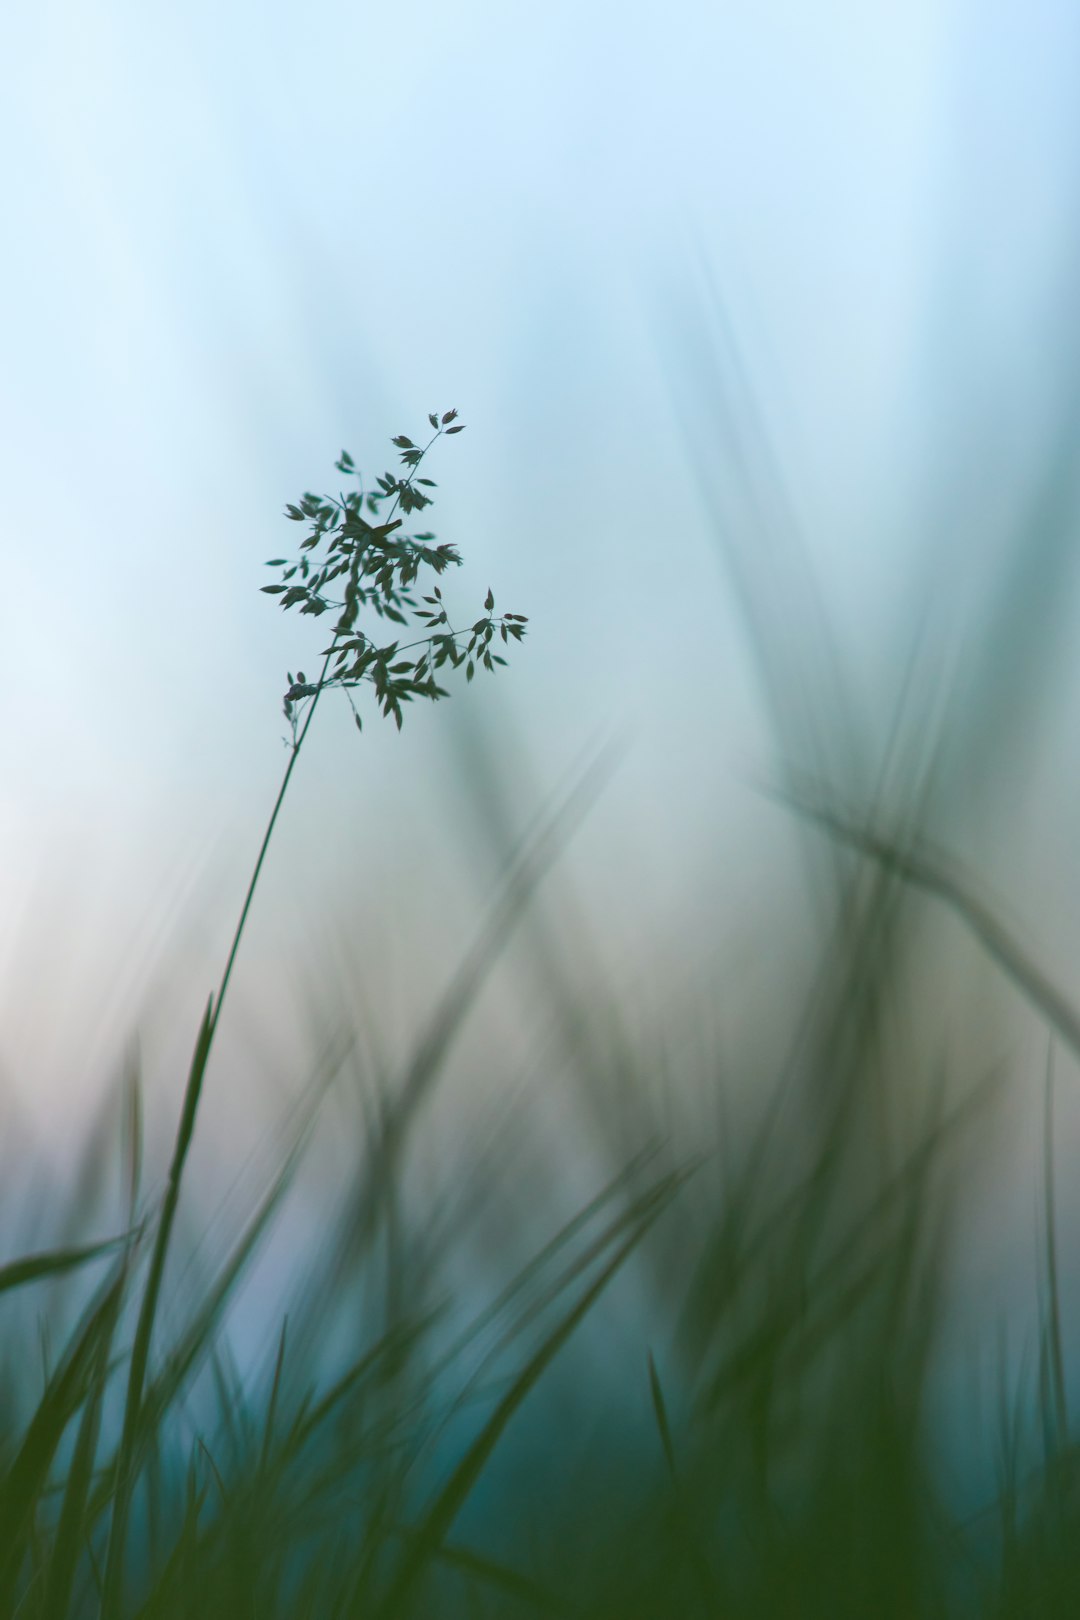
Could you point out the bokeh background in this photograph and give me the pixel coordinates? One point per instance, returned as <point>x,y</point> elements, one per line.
<point>762,322</point>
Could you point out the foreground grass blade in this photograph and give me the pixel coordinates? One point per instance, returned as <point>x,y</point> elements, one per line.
<point>528,869</point>
<point>140,1352</point>
<point>34,1267</point>
<point>928,870</point>
<point>451,1499</point>
<point>196,1342</point>
<point>575,1267</point>
<point>72,1529</point>
<point>82,1363</point>
<point>499,1577</point>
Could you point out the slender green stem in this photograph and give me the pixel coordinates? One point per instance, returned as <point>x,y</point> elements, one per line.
<point>294,755</point>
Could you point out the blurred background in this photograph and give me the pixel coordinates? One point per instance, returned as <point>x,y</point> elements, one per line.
<point>761,320</point>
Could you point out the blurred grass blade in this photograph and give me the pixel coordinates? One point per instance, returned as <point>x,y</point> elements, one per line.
<point>133,1132</point>
<point>71,1530</point>
<point>499,1577</point>
<point>1056,1411</point>
<point>531,862</point>
<point>660,1413</point>
<point>577,1265</point>
<point>271,1409</point>
<point>33,1267</point>
<point>144,1327</point>
<point>26,1475</point>
<point>198,1337</point>
<point>195,1342</point>
<point>451,1499</point>
<point>928,870</point>
<point>398,1342</point>
<point>541,1260</point>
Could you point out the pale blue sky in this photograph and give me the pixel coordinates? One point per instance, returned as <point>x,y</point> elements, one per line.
<point>239,237</point>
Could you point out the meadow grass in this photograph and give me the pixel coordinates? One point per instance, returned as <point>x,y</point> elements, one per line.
<point>750,1435</point>
<point>704,1389</point>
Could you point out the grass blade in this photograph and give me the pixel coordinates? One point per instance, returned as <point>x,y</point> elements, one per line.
<point>451,1499</point>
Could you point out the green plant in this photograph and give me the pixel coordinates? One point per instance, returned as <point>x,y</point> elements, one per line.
<point>377,567</point>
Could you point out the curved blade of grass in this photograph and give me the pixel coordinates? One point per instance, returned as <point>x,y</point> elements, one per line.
<point>500,1577</point>
<point>398,1341</point>
<point>72,1528</point>
<point>201,1331</point>
<point>195,1342</point>
<point>140,1351</point>
<point>432,1532</point>
<point>532,1269</point>
<point>662,1424</point>
<point>686,1531</point>
<point>794,1327</point>
<point>533,859</point>
<point>575,1267</point>
<point>182,1564</point>
<point>932,872</point>
<point>73,1379</point>
<point>32,1267</point>
<point>742,485</point>
<point>275,1388</point>
<point>198,1337</point>
<point>1055,1411</point>
<point>133,1133</point>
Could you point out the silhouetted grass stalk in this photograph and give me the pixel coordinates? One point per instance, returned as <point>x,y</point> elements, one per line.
<point>126,1466</point>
